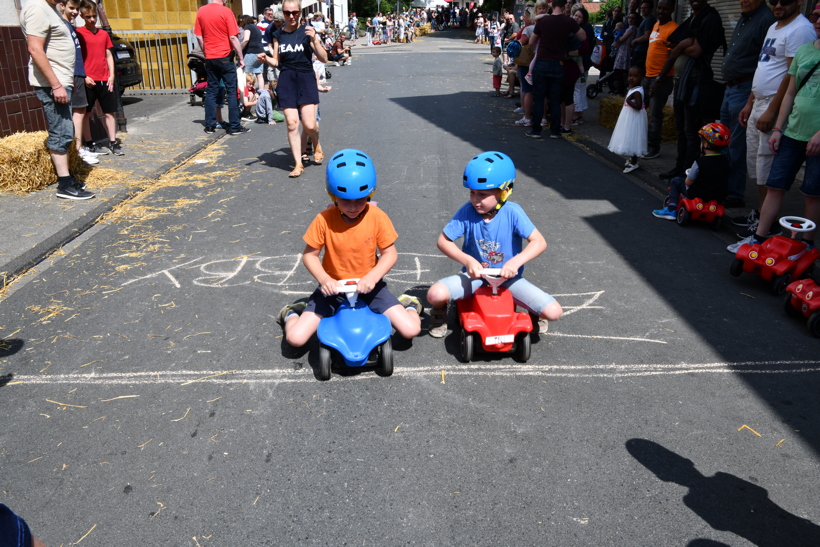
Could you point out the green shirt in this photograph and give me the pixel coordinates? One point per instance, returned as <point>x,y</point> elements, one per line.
<point>804,120</point>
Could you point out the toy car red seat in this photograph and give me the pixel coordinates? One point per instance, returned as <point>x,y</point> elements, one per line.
<point>696,209</point>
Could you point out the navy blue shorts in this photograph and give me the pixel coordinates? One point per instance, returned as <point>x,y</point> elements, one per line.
<point>297,88</point>
<point>14,531</point>
<point>379,300</point>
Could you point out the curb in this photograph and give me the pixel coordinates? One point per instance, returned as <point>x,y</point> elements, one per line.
<point>77,227</point>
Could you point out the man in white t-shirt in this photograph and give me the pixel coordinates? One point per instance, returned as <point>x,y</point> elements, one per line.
<point>790,31</point>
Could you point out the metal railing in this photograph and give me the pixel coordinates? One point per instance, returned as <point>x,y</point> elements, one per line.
<point>163,56</point>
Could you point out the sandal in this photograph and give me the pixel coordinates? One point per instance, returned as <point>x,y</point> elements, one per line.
<point>318,156</point>
<point>305,157</point>
<point>297,172</point>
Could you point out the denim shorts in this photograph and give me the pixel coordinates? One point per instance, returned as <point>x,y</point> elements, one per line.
<point>790,156</point>
<point>58,117</point>
<point>379,300</point>
<point>524,293</point>
<point>253,65</point>
<point>525,86</point>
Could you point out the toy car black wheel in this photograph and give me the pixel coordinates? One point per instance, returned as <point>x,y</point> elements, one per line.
<point>467,341</point>
<point>787,305</point>
<point>324,362</point>
<point>814,324</point>
<point>386,358</point>
<point>809,272</point>
<point>780,283</point>
<point>592,91</point>
<point>736,268</point>
<point>683,216</point>
<point>666,201</point>
<point>716,224</point>
<point>522,347</point>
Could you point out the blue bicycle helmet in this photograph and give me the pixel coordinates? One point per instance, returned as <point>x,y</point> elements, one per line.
<point>490,170</point>
<point>350,174</point>
<point>514,49</point>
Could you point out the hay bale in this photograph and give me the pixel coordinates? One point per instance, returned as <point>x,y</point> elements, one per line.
<point>25,163</point>
<point>423,30</point>
<point>611,107</point>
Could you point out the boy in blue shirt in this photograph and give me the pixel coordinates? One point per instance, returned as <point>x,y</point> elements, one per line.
<point>493,230</point>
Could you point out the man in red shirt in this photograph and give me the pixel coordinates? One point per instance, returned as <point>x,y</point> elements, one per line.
<point>99,75</point>
<point>218,36</point>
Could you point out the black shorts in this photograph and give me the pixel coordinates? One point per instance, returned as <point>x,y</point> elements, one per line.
<point>78,97</point>
<point>107,99</point>
<point>379,300</point>
<point>297,88</point>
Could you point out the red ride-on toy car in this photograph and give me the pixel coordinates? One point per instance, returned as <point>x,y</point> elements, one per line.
<point>803,300</point>
<point>779,259</point>
<point>696,209</point>
<point>489,320</point>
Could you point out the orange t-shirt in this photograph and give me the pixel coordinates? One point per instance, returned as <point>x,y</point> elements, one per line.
<point>350,249</point>
<point>657,53</point>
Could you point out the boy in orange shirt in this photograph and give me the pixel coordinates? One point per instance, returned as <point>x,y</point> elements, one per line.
<point>351,232</point>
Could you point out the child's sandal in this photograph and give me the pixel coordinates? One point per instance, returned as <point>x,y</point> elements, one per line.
<point>297,172</point>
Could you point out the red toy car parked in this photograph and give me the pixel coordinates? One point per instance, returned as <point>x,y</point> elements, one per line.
<point>779,259</point>
<point>696,209</point>
<point>803,300</point>
<point>489,320</point>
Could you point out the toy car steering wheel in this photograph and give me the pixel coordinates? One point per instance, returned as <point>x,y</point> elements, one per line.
<point>797,225</point>
<point>493,277</point>
<point>350,288</point>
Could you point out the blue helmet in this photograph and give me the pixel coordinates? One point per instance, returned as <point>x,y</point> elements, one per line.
<point>513,49</point>
<point>350,174</point>
<point>490,170</point>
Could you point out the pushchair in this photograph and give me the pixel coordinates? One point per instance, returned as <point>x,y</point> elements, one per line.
<point>604,78</point>
<point>196,62</point>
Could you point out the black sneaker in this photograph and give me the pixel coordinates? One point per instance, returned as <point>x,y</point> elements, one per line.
<point>565,130</point>
<point>260,120</point>
<point>79,184</point>
<point>99,150</point>
<point>669,175</point>
<point>652,153</point>
<point>752,230</point>
<point>74,193</point>
<point>532,135</point>
<point>745,221</point>
<point>210,129</point>
<point>239,131</point>
<point>116,149</point>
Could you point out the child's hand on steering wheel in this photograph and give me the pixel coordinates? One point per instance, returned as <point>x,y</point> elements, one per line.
<point>508,272</point>
<point>474,268</point>
<point>329,287</point>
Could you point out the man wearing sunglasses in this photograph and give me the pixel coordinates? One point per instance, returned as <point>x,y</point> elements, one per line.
<point>218,36</point>
<point>789,31</point>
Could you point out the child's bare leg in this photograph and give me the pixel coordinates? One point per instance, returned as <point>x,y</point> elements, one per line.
<point>552,312</point>
<point>406,321</point>
<point>438,295</point>
<point>300,328</point>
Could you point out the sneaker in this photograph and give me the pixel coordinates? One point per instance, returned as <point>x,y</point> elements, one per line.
<point>669,175</point>
<point>79,184</point>
<point>98,150</point>
<point>577,121</point>
<point>87,157</point>
<point>751,240</point>
<point>438,322</point>
<point>752,218</point>
<point>260,120</point>
<point>539,324</point>
<point>565,130</point>
<point>666,213</point>
<point>752,230</point>
<point>524,122</point>
<point>116,149</point>
<point>85,150</point>
<point>630,167</point>
<point>239,131</point>
<point>518,110</point>
<point>210,129</point>
<point>336,63</point>
<point>555,135</point>
<point>545,122</point>
<point>652,153</point>
<point>411,302</point>
<point>532,135</point>
<point>348,62</point>
<point>74,193</point>
<point>528,77</point>
<point>295,309</point>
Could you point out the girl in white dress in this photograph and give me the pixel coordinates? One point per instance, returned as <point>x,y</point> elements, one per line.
<point>629,136</point>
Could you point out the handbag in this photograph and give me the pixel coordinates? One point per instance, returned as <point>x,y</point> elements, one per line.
<point>525,56</point>
<point>598,54</point>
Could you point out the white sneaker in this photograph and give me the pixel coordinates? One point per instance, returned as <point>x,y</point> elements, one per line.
<point>85,150</point>
<point>348,62</point>
<point>523,122</point>
<point>733,248</point>
<point>336,63</point>
<point>630,167</point>
<point>87,157</point>
<point>518,110</point>
<point>545,123</point>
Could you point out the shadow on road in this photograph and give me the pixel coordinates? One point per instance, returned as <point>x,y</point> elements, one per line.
<point>726,502</point>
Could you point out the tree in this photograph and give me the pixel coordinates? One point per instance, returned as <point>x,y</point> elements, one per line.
<point>600,15</point>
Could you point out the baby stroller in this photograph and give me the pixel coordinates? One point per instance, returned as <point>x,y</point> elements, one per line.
<point>599,55</point>
<point>196,62</point>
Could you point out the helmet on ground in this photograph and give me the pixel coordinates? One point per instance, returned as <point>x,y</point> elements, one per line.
<point>514,49</point>
<point>715,134</point>
<point>490,170</point>
<point>350,174</point>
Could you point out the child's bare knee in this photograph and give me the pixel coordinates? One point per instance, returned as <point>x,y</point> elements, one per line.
<point>552,312</point>
<point>438,295</point>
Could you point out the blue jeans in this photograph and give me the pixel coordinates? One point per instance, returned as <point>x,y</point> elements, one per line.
<point>677,188</point>
<point>734,100</point>
<point>547,77</point>
<point>215,69</point>
<point>58,118</point>
<point>790,156</point>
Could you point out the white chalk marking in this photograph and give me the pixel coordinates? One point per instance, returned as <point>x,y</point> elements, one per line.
<point>163,271</point>
<point>607,337</point>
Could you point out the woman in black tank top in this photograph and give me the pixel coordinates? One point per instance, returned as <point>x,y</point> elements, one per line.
<point>292,47</point>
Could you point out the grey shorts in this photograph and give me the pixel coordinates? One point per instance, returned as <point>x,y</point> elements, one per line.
<point>58,117</point>
<point>78,96</point>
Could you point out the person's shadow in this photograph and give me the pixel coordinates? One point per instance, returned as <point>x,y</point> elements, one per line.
<point>727,502</point>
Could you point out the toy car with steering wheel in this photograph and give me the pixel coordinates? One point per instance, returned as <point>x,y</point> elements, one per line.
<point>803,300</point>
<point>353,332</point>
<point>690,209</point>
<point>488,320</point>
<point>779,259</point>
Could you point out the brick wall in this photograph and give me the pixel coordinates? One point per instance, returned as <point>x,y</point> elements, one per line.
<point>20,110</point>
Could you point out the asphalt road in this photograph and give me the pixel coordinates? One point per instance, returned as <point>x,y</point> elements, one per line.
<point>150,398</point>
